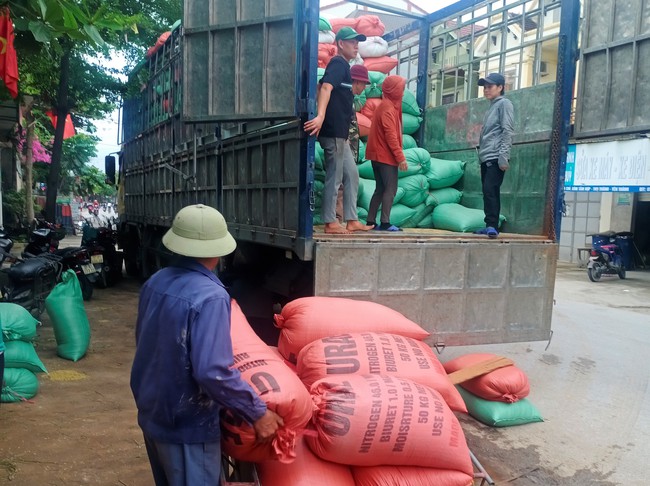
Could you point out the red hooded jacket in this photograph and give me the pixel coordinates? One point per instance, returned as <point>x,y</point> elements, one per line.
<point>385,137</point>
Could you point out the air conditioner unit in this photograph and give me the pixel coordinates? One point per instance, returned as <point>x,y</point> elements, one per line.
<point>543,68</point>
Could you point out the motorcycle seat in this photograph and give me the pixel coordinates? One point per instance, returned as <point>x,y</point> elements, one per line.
<point>29,269</point>
<point>64,252</point>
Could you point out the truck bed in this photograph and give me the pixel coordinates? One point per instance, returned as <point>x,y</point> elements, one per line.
<point>462,288</point>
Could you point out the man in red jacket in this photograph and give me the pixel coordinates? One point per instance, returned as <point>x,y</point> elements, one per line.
<point>384,149</point>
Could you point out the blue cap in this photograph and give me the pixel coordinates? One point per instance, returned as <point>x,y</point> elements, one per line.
<point>493,78</point>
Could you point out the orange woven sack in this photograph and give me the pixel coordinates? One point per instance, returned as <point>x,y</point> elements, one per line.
<point>364,124</point>
<point>370,25</point>
<point>325,53</point>
<point>371,353</point>
<point>375,420</point>
<point>369,108</point>
<point>306,470</point>
<point>507,384</point>
<point>382,64</point>
<point>277,385</point>
<point>309,318</point>
<point>338,24</point>
<point>409,476</point>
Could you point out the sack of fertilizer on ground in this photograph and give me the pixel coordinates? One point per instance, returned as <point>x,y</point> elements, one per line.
<point>500,414</point>
<point>16,323</point>
<point>371,353</point>
<point>310,318</point>
<point>378,420</point>
<point>410,476</point>
<point>19,384</point>
<point>508,384</point>
<point>277,385</point>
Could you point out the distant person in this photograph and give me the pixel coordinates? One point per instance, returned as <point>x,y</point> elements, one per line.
<point>494,149</point>
<point>182,374</point>
<point>384,149</point>
<point>332,127</point>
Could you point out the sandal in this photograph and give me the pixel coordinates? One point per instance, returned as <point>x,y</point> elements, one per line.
<point>391,228</point>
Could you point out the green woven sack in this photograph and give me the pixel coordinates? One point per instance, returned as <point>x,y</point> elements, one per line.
<point>19,354</point>
<point>418,161</point>
<point>365,171</point>
<point>19,384</point>
<point>447,195</point>
<point>399,214</point>
<point>444,173</point>
<point>421,212</point>
<point>367,189</point>
<point>409,104</point>
<point>373,90</point>
<point>427,221</point>
<point>362,152</point>
<point>319,175</point>
<point>454,217</point>
<point>69,320</point>
<point>416,189</point>
<point>500,414</point>
<point>320,72</point>
<point>319,157</point>
<point>362,214</point>
<point>323,24</point>
<point>408,142</point>
<point>410,123</point>
<point>17,323</point>
<point>359,101</point>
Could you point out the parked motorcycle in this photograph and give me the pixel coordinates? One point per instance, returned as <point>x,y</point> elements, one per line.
<point>26,282</point>
<point>44,242</point>
<point>101,245</point>
<point>605,258</point>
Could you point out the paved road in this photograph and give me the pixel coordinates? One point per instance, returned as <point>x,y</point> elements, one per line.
<point>591,386</point>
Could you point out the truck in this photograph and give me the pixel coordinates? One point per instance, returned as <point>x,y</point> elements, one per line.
<point>217,118</point>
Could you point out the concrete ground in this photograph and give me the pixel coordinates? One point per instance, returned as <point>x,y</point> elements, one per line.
<point>591,386</point>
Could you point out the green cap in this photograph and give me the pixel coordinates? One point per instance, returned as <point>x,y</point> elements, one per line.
<point>348,33</point>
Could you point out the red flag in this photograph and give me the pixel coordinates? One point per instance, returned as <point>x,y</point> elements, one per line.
<point>68,131</point>
<point>8,59</point>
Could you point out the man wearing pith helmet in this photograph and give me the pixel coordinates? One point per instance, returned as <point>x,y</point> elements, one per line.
<point>181,376</point>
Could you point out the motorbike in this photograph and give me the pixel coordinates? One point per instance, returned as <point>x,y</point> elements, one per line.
<point>605,257</point>
<point>26,282</point>
<point>101,245</point>
<point>44,242</point>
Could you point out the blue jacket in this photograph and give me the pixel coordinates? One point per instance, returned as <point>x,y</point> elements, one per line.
<point>181,375</point>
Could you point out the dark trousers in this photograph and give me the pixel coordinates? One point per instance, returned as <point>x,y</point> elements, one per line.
<point>492,178</point>
<point>386,178</point>
<point>184,464</point>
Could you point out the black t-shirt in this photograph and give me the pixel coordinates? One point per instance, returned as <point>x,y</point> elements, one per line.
<point>339,109</point>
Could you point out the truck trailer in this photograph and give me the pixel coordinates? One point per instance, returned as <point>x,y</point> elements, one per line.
<point>217,114</point>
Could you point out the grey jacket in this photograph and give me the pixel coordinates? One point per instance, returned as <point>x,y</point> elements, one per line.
<point>496,135</point>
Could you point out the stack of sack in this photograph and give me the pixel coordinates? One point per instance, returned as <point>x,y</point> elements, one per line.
<point>426,196</point>
<point>21,361</point>
<point>497,398</point>
<point>377,395</point>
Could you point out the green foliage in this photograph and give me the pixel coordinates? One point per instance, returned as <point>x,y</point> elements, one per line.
<point>13,207</point>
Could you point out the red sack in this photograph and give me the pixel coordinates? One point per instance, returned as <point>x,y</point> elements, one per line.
<point>277,385</point>
<point>370,107</point>
<point>507,384</point>
<point>364,124</point>
<point>306,470</point>
<point>309,318</point>
<point>377,354</point>
<point>159,43</point>
<point>325,53</point>
<point>370,25</point>
<point>382,64</point>
<point>409,476</point>
<point>338,24</point>
<point>375,420</point>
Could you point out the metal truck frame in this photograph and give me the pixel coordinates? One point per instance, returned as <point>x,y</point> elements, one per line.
<point>220,122</point>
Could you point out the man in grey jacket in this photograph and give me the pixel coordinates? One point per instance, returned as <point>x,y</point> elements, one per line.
<point>494,149</point>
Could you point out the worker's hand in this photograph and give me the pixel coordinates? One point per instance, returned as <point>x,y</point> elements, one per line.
<point>313,126</point>
<point>403,166</point>
<point>267,426</point>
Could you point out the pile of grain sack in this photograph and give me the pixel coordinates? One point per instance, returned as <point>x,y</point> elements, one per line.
<point>21,361</point>
<point>426,196</point>
<point>368,407</point>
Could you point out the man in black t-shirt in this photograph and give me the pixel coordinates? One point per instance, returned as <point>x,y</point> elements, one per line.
<point>332,127</point>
